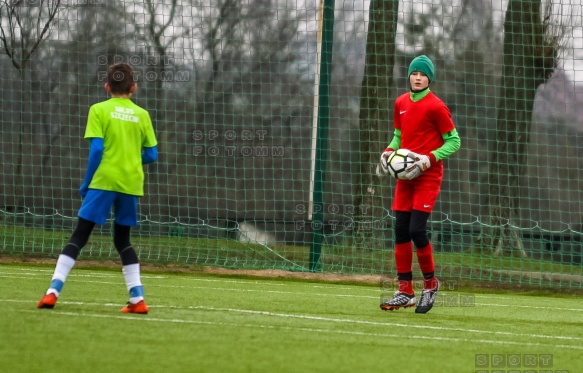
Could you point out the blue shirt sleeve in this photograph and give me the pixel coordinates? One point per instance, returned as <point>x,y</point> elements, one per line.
<point>95,155</point>
<point>149,155</point>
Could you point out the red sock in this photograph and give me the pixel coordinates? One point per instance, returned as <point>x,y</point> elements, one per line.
<point>425,259</point>
<point>404,262</point>
<point>427,265</point>
<point>404,257</point>
<point>406,286</point>
<point>430,283</point>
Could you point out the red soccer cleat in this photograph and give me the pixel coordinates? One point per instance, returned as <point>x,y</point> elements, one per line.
<point>139,307</point>
<point>48,301</point>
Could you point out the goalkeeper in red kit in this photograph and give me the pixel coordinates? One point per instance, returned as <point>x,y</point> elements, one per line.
<point>423,125</point>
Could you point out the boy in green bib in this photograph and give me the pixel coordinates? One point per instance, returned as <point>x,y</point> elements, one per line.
<point>121,140</point>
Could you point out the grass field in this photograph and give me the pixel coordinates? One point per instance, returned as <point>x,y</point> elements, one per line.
<point>205,323</point>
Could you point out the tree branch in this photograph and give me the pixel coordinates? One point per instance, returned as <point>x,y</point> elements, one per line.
<point>52,12</point>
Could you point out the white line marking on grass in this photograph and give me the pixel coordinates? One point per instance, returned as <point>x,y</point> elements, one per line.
<point>8,269</point>
<point>352,321</point>
<point>322,318</point>
<point>270,291</point>
<point>268,282</point>
<point>32,272</point>
<point>20,277</point>
<point>530,307</point>
<point>77,274</point>
<point>514,297</point>
<point>279,281</point>
<point>310,330</point>
<point>550,308</point>
<point>76,279</point>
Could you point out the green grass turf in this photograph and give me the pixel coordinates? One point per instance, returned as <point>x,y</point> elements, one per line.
<point>203,323</point>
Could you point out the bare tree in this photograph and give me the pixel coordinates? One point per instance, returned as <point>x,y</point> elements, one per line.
<point>531,49</point>
<point>375,128</point>
<point>159,34</point>
<point>24,27</point>
<point>27,26</point>
<point>246,77</point>
<point>349,48</point>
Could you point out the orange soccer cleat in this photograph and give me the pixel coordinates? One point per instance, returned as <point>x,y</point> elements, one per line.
<point>48,301</point>
<point>139,307</point>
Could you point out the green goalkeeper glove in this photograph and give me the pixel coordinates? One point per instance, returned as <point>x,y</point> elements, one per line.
<point>422,163</point>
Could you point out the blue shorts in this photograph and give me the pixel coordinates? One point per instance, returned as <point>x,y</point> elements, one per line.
<point>96,207</point>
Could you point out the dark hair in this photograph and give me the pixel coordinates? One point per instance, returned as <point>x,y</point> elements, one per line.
<point>120,77</point>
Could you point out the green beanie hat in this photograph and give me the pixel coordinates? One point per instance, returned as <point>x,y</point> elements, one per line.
<point>423,64</point>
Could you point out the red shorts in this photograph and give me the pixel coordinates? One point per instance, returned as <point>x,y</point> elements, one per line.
<point>418,194</point>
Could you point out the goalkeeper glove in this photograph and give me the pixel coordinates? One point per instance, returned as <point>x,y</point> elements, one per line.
<point>385,160</point>
<point>422,163</point>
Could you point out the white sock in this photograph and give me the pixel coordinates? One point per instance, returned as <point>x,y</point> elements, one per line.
<point>64,265</point>
<point>131,274</point>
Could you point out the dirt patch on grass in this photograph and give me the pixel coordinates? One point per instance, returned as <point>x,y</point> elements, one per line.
<point>275,273</point>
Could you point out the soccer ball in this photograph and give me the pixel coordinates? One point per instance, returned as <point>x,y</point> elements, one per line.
<point>398,162</point>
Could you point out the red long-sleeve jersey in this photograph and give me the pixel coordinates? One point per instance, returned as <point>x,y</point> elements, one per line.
<point>422,123</point>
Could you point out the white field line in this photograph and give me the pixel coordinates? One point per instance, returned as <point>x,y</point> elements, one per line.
<point>35,273</point>
<point>279,282</point>
<point>530,307</point>
<point>31,274</point>
<point>514,296</point>
<point>327,319</point>
<point>280,292</point>
<point>275,281</point>
<point>75,276</point>
<point>310,330</point>
<point>376,323</point>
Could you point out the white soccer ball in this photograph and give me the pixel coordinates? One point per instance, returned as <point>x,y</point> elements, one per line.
<point>398,162</point>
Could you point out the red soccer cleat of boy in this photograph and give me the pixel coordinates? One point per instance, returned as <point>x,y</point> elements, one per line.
<point>48,301</point>
<point>139,307</point>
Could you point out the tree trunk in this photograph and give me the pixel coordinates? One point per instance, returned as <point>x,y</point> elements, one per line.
<point>375,123</point>
<point>529,60</point>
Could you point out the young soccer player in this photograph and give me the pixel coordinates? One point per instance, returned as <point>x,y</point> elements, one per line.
<point>422,124</point>
<point>121,139</point>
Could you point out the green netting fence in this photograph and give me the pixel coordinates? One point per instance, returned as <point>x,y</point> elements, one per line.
<point>271,116</point>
